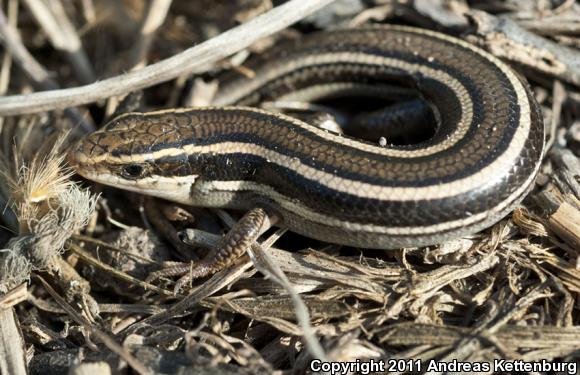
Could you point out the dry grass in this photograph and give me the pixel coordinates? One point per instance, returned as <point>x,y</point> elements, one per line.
<point>49,208</point>
<point>510,291</point>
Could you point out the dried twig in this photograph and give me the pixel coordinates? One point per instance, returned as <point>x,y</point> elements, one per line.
<point>192,60</point>
<point>36,72</point>
<point>505,38</point>
<point>51,16</point>
<point>153,19</point>
<point>11,40</point>
<point>11,345</point>
<point>273,271</point>
<point>102,336</point>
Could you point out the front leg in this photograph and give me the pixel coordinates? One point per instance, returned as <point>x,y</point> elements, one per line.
<point>228,249</point>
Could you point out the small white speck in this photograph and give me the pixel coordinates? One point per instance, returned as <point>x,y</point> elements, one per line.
<point>382,141</point>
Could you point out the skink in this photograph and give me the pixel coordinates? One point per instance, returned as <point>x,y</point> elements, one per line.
<point>480,163</point>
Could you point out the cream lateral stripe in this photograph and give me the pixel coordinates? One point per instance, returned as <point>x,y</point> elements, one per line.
<point>293,206</point>
<point>506,160</point>
<point>315,92</point>
<point>444,78</point>
<point>457,87</point>
<point>128,140</point>
<point>432,73</point>
<point>234,187</point>
<point>341,184</point>
<point>177,188</point>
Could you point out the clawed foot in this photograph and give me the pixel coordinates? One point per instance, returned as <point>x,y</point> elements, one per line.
<point>226,252</point>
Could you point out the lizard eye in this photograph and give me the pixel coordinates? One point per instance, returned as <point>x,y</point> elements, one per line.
<point>133,171</point>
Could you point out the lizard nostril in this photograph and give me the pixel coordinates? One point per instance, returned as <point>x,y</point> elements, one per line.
<point>77,155</point>
<point>72,156</point>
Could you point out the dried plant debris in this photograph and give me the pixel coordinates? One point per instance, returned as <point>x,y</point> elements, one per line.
<point>49,209</point>
<point>75,257</point>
